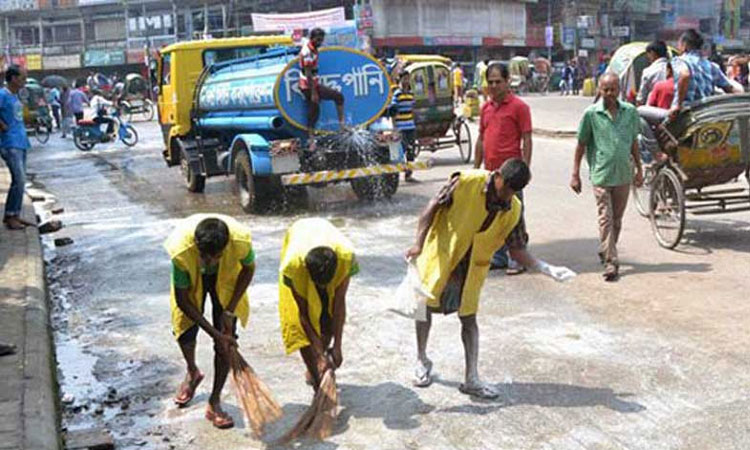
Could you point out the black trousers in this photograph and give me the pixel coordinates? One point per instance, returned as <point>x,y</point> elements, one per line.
<point>209,289</point>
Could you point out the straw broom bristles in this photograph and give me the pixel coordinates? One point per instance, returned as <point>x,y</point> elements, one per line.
<point>259,406</point>
<point>318,421</point>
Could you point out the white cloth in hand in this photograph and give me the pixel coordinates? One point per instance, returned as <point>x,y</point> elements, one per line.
<point>558,273</point>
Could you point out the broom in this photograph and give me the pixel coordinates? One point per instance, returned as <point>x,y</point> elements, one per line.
<point>259,406</point>
<point>317,422</point>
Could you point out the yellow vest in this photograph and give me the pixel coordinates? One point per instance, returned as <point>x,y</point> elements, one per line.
<point>182,250</point>
<point>300,238</point>
<point>454,230</point>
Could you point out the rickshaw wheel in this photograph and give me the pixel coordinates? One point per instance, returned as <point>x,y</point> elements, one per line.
<point>148,110</point>
<point>642,195</point>
<point>463,139</point>
<point>41,132</point>
<point>667,208</point>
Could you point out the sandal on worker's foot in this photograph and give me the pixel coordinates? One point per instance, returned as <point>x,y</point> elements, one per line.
<point>423,374</point>
<point>186,391</point>
<point>7,349</point>
<point>481,390</point>
<point>220,419</point>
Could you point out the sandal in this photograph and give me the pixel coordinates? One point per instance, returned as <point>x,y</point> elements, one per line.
<point>611,273</point>
<point>423,375</point>
<point>186,392</point>
<point>481,390</point>
<point>220,420</point>
<point>7,349</point>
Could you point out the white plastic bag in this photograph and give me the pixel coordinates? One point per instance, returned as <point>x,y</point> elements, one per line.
<point>411,297</point>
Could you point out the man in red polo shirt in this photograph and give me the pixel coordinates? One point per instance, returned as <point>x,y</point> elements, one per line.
<point>310,85</point>
<point>505,133</point>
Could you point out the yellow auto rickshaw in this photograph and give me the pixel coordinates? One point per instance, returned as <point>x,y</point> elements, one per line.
<point>432,85</point>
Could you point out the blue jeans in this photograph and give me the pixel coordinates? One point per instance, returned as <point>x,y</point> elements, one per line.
<point>501,258</point>
<point>15,159</point>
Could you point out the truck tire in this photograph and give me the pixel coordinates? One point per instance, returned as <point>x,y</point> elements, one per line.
<point>194,182</point>
<point>366,188</point>
<point>245,183</point>
<point>389,184</point>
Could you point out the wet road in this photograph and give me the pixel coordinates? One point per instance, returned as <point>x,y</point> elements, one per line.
<point>657,360</point>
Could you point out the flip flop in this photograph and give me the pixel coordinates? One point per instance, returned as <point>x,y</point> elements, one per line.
<point>511,271</point>
<point>7,349</point>
<point>187,389</point>
<point>481,390</point>
<point>423,375</point>
<point>220,420</point>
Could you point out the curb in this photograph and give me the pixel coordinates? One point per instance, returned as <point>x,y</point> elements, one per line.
<point>555,133</point>
<point>39,413</point>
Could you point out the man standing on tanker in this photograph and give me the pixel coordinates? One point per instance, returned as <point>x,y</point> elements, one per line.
<point>309,82</point>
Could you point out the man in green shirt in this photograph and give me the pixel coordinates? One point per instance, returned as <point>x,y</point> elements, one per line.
<point>608,135</point>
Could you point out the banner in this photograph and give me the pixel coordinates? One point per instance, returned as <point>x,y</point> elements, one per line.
<point>290,22</point>
<point>61,62</point>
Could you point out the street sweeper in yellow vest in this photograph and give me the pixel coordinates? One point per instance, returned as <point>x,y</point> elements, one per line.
<point>212,255</point>
<point>458,232</point>
<point>317,261</point>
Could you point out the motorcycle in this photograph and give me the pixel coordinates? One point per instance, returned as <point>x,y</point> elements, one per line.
<point>89,133</point>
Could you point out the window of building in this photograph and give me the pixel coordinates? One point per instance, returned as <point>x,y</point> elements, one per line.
<point>27,35</point>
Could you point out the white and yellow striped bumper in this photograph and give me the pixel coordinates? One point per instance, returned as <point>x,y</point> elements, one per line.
<point>337,175</point>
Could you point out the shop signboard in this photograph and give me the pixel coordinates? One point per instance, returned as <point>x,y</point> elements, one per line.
<point>622,31</point>
<point>549,36</point>
<point>61,62</point>
<point>93,58</point>
<point>19,60</point>
<point>34,61</point>
<point>18,5</point>
<point>588,43</point>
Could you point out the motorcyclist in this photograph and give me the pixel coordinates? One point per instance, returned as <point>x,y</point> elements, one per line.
<point>99,105</point>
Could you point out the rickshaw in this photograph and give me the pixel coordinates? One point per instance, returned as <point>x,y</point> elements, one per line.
<point>707,145</point>
<point>134,98</point>
<point>518,67</point>
<point>541,75</point>
<point>628,63</point>
<point>36,111</point>
<point>434,115</point>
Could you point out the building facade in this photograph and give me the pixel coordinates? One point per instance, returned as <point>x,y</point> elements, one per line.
<point>74,37</point>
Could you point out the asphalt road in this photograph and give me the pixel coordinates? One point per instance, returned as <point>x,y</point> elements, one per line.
<point>657,360</point>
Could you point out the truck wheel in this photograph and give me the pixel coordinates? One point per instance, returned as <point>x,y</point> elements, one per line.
<point>194,182</point>
<point>389,184</point>
<point>366,188</point>
<point>245,183</point>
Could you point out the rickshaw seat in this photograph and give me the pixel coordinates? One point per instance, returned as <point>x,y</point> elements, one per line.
<point>86,122</point>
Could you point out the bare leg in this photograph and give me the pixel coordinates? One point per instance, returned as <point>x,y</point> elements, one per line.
<point>340,113</point>
<point>470,339</point>
<point>188,352</point>
<point>423,376</point>
<point>310,359</point>
<point>523,257</point>
<point>221,370</point>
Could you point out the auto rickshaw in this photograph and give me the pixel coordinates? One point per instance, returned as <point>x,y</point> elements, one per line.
<point>133,98</point>
<point>434,115</point>
<point>36,111</point>
<point>518,68</point>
